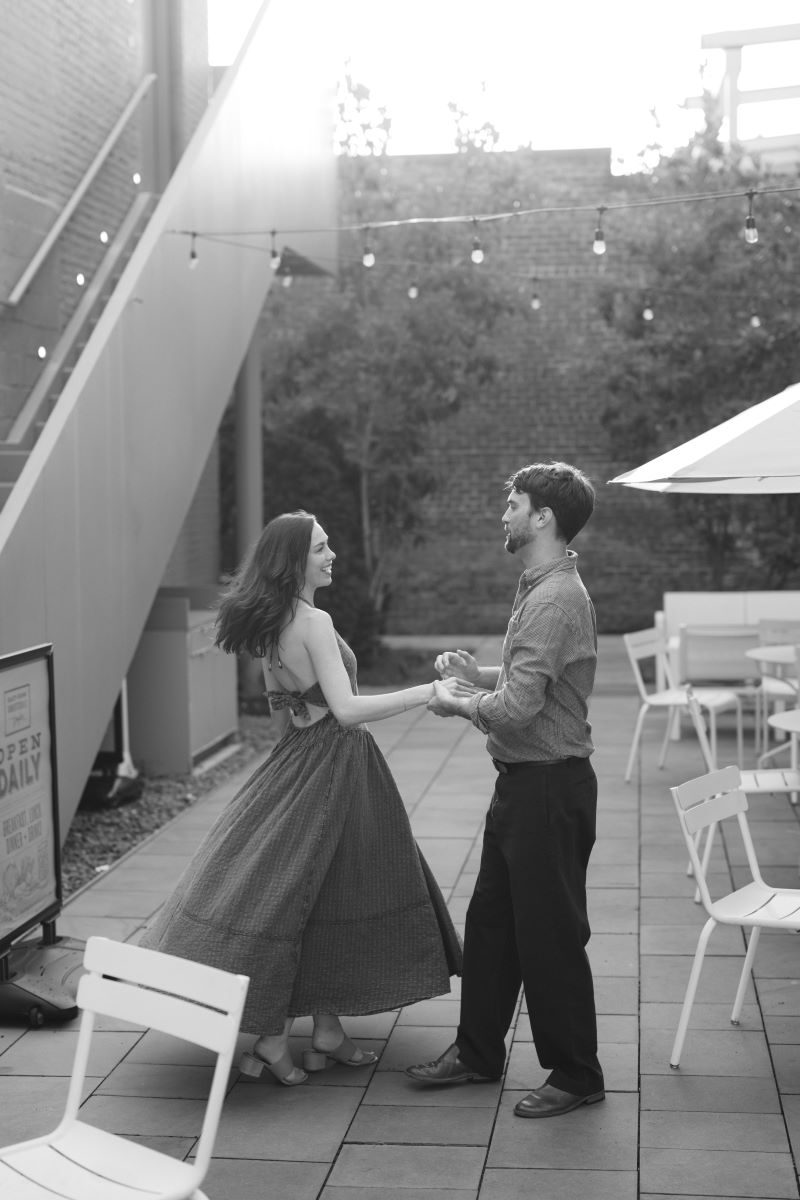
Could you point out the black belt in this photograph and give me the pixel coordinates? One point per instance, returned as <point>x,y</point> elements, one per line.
<point>507,768</point>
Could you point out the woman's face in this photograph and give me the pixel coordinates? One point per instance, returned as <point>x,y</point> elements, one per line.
<point>320,560</point>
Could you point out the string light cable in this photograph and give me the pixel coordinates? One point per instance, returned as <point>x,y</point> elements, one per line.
<point>484,218</point>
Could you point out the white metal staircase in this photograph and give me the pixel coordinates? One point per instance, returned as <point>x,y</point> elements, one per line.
<point>94,503</point>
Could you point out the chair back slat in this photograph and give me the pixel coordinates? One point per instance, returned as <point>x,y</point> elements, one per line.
<point>192,980</point>
<point>154,1009</point>
<point>714,809</point>
<point>778,632</point>
<point>693,791</point>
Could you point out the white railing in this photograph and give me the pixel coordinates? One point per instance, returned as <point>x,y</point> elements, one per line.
<point>29,274</point>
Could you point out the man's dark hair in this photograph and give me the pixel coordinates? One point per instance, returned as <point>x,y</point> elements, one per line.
<point>560,487</point>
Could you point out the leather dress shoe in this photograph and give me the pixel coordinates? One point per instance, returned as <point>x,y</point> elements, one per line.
<point>447,1068</point>
<point>549,1101</point>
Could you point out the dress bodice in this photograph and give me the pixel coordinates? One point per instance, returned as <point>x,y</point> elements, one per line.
<point>297,702</point>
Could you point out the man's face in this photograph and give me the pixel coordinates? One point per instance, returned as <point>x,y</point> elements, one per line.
<point>518,521</point>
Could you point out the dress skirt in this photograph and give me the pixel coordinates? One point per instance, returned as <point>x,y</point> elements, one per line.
<point>312,884</point>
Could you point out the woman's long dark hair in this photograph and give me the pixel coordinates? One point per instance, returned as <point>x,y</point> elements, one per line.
<point>264,591</point>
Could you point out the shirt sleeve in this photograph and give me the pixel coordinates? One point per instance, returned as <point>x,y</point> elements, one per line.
<point>538,653</point>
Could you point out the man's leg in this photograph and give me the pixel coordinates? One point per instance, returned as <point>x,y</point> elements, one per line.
<point>547,841</point>
<point>491,974</point>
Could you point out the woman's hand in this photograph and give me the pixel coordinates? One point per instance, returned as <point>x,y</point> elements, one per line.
<point>449,696</point>
<point>459,664</point>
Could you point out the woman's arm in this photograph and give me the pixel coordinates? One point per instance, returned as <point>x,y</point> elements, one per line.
<point>323,649</point>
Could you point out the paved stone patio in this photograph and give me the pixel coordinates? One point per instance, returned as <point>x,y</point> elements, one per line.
<point>726,1125</point>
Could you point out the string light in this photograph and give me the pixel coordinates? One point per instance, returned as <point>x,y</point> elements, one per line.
<point>192,254</point>
<point>413,291</point>
<point>755,321</point>
<point>477,254</point>
<point>80,279</point>
<point>647,311</point>
<point>103,236</point>
<point>274,257</point>
<point>750,230</point>
<point>136,177</point>
<point>368,257</point>
<point>536,302</point>
<point>287,280</point>
<point>599,244</point>
<point>42,352</point>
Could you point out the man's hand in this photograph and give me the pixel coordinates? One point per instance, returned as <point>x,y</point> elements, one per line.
<point>458,663</point>
<point>451,697</point>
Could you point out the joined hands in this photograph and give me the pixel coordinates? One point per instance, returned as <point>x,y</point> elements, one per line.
<point>460,674</point>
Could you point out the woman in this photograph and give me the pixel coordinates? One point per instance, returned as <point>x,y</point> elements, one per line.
<point>311,882</point>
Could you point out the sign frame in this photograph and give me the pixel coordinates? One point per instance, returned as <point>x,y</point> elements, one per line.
<point>51,907</point>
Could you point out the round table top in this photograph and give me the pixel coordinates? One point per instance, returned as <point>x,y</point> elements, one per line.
<point>789,720</point>
<point>779,655</point>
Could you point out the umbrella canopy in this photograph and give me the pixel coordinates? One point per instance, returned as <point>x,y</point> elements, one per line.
<point>753,453</point>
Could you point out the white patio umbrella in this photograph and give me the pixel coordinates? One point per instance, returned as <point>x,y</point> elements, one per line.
<point>753,453</point>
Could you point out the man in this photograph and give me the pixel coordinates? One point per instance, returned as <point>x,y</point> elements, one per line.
<point>526,922</point>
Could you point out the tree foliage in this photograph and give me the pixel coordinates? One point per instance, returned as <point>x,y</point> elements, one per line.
<point>384,354</point>
<point>723,336</point>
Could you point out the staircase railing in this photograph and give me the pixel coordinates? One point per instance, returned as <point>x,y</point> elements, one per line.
<point>29,274</point>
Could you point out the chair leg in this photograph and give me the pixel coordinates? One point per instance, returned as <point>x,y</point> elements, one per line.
<point>739,735</point>
<point>637,733</point>
<point>706,859</point>
<point>667,738</point>
<point>691,988</point>
<point>712,733</point>
<point>745,975</point>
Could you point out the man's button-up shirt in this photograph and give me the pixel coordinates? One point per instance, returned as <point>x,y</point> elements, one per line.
<point>539,708</point>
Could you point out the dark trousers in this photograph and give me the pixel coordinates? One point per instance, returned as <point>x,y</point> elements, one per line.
<point>527,924</point>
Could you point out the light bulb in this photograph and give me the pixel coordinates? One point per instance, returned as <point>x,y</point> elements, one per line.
<point>80,279</point>
<point>103,236</point>
<point>286,281</point>
<point>750,230</point>
<point>137,179</point>
<point>647,313</point>
<point>477,253</point>
<point>599,244</point>
<point>536,303</point>
<point>755,321</point>
<point>368,257</point>
<point>413,291</point>
<point>42,352</point>
<point>274,260</point>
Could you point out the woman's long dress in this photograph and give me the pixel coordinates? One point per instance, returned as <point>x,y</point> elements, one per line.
<point>312,884</point>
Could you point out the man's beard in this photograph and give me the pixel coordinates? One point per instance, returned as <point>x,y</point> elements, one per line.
<point>515,541</point>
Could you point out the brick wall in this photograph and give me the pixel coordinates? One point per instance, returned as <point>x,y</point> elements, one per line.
<point>68,71</point>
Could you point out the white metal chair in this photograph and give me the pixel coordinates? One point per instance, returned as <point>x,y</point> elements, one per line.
<point>753,783</point>
<point>702,803</point>
<point>758,782</point>
<point>779,686</point>
<point>648,644</point>
<point>78,1161</point>
<point>714,656</point>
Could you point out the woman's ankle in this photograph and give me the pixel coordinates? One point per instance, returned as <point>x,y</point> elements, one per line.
<point>327,1033</point>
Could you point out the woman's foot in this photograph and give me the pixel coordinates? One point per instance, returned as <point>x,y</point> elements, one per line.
<point>272,1053</point>
<point>336,1046</point>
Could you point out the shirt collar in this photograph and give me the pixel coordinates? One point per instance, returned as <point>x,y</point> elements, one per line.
<point>534,575</point>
